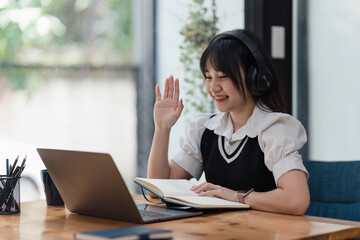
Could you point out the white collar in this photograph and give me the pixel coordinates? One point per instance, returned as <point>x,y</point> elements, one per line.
<point>222,125</point>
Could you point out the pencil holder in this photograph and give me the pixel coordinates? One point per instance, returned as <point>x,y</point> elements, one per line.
<point>9,194</point>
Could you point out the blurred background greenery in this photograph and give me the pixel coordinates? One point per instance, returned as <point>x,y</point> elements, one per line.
<point>200,27</point>
<point>48,35</point>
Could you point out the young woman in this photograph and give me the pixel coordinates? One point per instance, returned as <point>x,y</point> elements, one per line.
<point>249,150</point>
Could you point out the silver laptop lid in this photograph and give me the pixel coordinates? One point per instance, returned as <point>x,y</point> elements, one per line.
<point>90,184</point>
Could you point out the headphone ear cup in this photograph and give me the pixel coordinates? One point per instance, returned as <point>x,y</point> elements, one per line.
<point>251,77</point>
<point>256,84</point>
<point>264,82</point>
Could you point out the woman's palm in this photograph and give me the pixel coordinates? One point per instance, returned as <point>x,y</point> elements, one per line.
<point>168,108</point>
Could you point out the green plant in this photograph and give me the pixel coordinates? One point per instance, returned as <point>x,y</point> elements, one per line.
<point>198,30</point>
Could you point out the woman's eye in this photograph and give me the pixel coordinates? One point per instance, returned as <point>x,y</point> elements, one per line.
<point>223,76</point>
<point>207,77</point>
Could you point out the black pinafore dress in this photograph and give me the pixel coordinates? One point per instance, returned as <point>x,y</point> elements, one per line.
<point>246,170</point>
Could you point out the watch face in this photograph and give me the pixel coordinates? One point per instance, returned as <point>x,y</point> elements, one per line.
<point>244,190</point>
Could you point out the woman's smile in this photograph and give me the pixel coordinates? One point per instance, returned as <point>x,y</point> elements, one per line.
<point>220,98</point>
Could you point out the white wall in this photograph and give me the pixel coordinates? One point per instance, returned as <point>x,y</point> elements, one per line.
<point>334,82</point>
<point>171,17</point>
<point>75,114</point>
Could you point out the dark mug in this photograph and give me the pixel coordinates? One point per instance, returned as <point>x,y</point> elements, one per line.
<point>53,197</point>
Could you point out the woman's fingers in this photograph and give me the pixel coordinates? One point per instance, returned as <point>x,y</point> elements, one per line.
<point>171,87</point>
<point>211,193</point>
<point>177,89</point>
<point>212,190</point>
<point>196,187</point>
<point>204,187</point>
<point>166,88</point>
<point>158,93</point>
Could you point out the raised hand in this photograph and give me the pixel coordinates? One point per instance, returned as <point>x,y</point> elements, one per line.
<point>168,107</point>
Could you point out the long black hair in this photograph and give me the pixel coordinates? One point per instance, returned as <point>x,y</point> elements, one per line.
<point>228,54</point>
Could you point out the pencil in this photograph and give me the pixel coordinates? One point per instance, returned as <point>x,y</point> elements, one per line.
<point>23,162</point>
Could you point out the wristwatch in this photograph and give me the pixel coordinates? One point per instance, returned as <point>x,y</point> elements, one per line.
<point>241,194</point>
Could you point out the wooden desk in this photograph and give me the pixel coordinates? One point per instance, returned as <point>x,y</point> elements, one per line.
<point>37,221</point>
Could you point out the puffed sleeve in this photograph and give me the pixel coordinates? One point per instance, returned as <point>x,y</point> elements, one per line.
<point>189,156</point>
<point>280,137</point>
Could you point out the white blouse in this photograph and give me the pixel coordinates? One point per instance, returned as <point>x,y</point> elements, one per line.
<point>280,136</point>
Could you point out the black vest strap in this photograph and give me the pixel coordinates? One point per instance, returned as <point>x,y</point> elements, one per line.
<point>247,170</point>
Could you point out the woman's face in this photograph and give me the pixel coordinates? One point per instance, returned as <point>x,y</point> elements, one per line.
<point>223,92</point>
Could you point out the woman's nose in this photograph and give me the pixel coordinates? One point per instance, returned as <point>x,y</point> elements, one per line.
<point>215,87</point>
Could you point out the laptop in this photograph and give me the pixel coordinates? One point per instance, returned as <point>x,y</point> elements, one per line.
<point>90,184</point>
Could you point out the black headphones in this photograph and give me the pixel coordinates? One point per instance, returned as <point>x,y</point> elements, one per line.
<point>258,77</point>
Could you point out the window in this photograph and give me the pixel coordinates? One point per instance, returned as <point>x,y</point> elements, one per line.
<point>67,81</point>
<point>332,58</point>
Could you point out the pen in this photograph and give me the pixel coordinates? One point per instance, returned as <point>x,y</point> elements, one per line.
<point>14,165</point>
<point>7,167</point>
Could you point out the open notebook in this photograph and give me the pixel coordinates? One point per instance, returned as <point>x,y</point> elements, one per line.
<point>177,191</point>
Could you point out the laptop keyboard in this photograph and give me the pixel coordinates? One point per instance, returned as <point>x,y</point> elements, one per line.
<point>149,214</point>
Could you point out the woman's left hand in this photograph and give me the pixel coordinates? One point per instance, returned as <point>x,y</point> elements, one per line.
<point>209,189</point>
